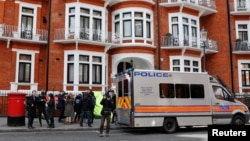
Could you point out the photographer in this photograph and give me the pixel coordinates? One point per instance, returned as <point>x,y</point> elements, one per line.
<point>42,108</point>
<point>107,104</point>
<point>113,98</point>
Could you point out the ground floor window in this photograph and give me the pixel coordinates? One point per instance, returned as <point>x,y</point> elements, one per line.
<point>244,75</point>
<point>24,71</point>
<point>184,64</point>
<point>84,67</point>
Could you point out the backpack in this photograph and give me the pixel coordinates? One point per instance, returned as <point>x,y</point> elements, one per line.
<point>77,102</point>
<point>93,100</point>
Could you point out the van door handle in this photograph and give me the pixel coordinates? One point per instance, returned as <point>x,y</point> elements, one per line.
<point>217,103</point>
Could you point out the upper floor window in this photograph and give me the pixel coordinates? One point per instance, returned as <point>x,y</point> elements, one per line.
<point>241,3</point>
<point>85,21</point>
<point>243,30</point>
<point>133,23</point>
<point>72,19</point>
<point>184,29</point>
<point>27,20</point>
<point>186,64</point>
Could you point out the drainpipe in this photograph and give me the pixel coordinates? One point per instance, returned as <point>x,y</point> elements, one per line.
<point>159,35</point>
<point>48,49</point>
<point>230,44</point>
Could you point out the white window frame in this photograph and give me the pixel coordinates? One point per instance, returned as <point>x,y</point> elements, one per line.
<point>180,27</point>
<point>34,15</point>
<point>241,88</point>
<point>76,54</point>
<point>91,16</point>
<point>182,65</point>
<point>144,19</point>
<point>237,29</point>
<point>32,84</point>
<point>247,3</point>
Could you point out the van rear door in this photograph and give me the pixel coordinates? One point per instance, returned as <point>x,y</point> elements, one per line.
<point>123,105</point>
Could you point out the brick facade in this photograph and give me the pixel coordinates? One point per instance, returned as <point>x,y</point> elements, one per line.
<point>49,69</point>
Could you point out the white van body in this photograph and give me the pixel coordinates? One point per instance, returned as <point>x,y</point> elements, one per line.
<point>148,98</point>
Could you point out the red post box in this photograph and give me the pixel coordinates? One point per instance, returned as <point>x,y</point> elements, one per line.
<point>16,109</point>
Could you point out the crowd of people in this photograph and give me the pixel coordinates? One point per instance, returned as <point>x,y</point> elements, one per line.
<point>72,109</point>
<point>38,106</point>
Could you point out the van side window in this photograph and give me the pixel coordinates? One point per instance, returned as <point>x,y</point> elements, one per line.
<point>182,91</point>
<point>166,90</point>
<point>218,92</point>
<point>197,91</point>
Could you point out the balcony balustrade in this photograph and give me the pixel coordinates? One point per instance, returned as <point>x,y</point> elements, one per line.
<point>10,32</point>
<point>241,47</point>
<point>81,34</point>
<point>90,36</point>
<point>205,7</point>
<point>189,43</point>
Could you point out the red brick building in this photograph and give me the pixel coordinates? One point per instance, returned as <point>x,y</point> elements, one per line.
<point>73,45</point>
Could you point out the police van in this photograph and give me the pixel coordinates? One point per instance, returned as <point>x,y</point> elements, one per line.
<point>157,98</point>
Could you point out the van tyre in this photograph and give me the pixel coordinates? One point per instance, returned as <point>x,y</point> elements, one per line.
<point>170,125</point>
<point>238,120</point>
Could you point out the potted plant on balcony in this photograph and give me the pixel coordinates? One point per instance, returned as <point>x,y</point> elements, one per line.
<point>169,39</point>
<point>1,30</point>
<point>238,44</point>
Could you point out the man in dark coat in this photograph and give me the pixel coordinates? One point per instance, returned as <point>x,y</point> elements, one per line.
<point>77,108</point>
<point>86,109</point>
<point>93,101</point>
<point>51,110</point>
<point>61,105</point>
<point>42,108</point>
<point>31,108</point>
<point>107,104</point>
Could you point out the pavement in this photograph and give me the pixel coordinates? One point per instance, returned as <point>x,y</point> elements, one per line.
<point>59,126</point>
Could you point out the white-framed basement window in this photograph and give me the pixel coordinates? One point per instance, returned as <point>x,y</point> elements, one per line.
<point>185,64</point>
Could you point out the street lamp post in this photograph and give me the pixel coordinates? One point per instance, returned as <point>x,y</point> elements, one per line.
<point>203,36</point>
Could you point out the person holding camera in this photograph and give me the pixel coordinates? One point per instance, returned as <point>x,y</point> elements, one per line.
<point>113,98</point>
<point>107,104</point>
<point>41,106</point>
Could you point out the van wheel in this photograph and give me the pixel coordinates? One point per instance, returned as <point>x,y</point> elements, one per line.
<point>238,120</point>
<point>170,125</point>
